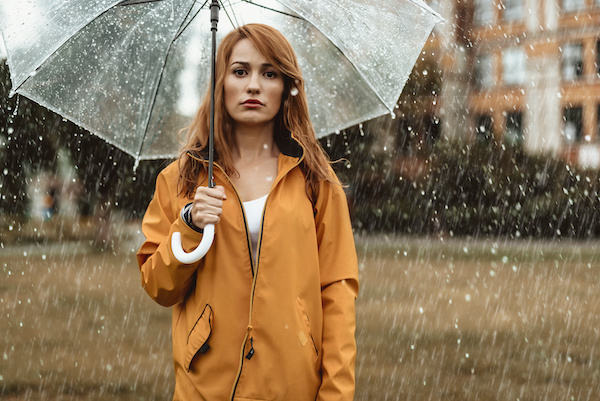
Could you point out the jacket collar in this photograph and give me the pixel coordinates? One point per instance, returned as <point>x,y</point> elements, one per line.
<point>289,145</point>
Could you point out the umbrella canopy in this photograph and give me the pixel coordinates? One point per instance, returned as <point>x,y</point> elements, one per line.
<point>133,71</point>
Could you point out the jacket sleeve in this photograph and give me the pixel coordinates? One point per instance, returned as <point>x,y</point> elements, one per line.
<point>339,289</point>
<point>164,278</point>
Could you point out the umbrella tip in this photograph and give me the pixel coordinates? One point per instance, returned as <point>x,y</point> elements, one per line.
<point>136,164</point>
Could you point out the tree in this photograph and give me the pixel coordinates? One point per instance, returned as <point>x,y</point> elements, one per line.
<point>30,138</point>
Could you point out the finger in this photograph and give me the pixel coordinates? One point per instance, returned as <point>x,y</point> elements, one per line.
<point>217,192</point>
<point>202,220</point>
<point>222,190</point>
<point>208,193</point>
<point>206,203</point>
<point>207,209</point>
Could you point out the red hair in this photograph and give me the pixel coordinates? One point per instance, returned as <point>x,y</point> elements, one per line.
<point>293,115</point>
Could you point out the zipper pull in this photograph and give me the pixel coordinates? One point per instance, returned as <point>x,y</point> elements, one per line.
<point>250,353</point>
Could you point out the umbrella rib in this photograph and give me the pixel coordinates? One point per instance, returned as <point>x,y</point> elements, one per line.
<point>350,60</point>
<point>56,49</point>
<point>134,2</point>
<point>162,70</point>
<point>272,9</point>
<point>189,21</point>
<point>236,24</point>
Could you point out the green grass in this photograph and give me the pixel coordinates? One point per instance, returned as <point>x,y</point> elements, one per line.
<point>453,320</point>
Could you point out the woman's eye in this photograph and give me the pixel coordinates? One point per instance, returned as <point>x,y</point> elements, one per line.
<point>271,74</point>
<point>239,72</point>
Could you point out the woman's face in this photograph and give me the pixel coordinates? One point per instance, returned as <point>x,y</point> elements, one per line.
<point>253,87</point>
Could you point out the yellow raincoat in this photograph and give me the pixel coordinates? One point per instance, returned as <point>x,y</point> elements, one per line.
<point>280,327</point>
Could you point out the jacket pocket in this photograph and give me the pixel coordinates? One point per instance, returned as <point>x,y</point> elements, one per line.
<point>304,338</point>
<point>198,338</point>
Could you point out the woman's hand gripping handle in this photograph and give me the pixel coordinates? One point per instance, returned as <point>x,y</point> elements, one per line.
<point>205,213</point>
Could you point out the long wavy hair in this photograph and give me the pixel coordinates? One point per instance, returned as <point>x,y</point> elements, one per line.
<point>292,117</point>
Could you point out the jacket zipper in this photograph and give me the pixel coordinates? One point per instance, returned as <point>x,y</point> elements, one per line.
<point>248,242</point>
<point>255,275</point>
<point>254,266</point>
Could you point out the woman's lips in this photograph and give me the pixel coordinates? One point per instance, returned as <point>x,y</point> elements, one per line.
<point>252,103</point>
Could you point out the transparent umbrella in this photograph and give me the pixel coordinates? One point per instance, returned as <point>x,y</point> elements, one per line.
<point>132,72</point>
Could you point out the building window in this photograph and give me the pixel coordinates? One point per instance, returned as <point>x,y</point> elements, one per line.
<point>483,71</point>
<point>483,128</point>
<point>514,66</point>
<point>512,10</point>
<point>484,12</point>
<point>569,6</point>
<point>513,134</point>
<point>573,124</point>
<point>572,61</point>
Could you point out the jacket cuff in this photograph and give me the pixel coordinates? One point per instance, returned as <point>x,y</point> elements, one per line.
<point>186,216</point>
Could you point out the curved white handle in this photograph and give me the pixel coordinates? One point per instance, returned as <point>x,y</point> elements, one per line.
<point>198,253</point>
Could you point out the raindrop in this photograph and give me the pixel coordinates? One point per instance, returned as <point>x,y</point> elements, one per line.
<point>294,91</point>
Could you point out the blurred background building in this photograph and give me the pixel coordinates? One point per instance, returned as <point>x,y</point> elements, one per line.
<point>525,73</point>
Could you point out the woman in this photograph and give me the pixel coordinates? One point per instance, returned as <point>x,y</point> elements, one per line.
<point>268,313</point>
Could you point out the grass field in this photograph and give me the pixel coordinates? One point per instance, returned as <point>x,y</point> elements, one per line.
<point>452,320</point>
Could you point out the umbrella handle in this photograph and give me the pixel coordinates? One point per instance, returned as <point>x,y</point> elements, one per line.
<point>198,253</point>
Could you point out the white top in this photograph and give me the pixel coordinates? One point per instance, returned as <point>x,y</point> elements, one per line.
<point>254,211</point>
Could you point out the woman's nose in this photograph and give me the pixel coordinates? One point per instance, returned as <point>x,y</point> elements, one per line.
<point>253,84</point>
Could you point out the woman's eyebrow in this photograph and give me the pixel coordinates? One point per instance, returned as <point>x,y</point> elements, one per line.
<point>247,64</point>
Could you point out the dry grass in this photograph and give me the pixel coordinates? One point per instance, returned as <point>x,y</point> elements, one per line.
<point>464,320</point>
<point>452,320</point>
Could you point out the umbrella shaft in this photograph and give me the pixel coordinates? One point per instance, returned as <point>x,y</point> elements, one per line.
<point>214,14</point>
<point>214,19</point>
